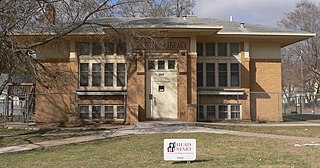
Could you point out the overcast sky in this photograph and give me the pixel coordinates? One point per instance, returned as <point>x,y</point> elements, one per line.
<point>267,12</point>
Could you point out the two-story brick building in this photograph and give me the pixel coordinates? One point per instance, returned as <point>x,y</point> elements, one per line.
<point>199,69</point>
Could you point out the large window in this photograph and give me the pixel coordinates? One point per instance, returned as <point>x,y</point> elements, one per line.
<point>105,112</point>
<point>210,112</point>
<point>218,74</point>
<point>114,75</point>
<point>210,49</point>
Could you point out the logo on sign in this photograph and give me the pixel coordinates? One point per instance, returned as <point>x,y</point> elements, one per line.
<point>180,149</point>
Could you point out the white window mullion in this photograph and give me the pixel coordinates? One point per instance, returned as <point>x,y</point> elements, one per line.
<point>90,75</point>
<point>228,74</point>
<point>229,112</point>
<point>115,74</point>
<point>102,74</point>
<point>240,112</point>
<point>102,112</point>
<point>115,114</point>
<point>90,112</point>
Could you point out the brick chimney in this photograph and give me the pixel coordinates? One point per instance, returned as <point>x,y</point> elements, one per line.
<point>50,15</point>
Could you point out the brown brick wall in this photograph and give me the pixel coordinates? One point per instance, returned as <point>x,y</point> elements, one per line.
<point>54,99</point>
<point>136,90</point>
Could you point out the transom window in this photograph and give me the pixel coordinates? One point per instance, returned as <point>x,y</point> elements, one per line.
<point>212,112</point>
<point>218,74</point>
<point>109,75</point>
<point>96,48</point>
<point>218,49</point>
<point>161,64</point>
<point>105,112</point>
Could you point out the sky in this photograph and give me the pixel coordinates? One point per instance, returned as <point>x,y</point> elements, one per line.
<point>266,12</point>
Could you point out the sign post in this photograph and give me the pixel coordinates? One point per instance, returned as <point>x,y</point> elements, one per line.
<point>179,149</point>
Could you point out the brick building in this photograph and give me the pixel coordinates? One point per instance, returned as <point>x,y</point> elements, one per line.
<point>200,69</point>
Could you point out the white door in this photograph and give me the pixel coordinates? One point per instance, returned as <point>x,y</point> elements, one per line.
<point>162,91</point>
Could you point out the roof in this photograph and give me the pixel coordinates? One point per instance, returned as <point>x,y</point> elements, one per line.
<point>187,24</point>
<point>192,23</point>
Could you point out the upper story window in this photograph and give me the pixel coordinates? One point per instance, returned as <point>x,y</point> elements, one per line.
<point>221,49</point>
<point>218,74</point>
<point>96,48</point>
<point>84,48</point>
<point>200,49</point>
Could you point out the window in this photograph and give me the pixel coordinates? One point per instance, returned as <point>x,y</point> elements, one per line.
<point>210,49</point>
<point>222,49</point>
<point>84,74</point>
<point>223,111</point>
<point>211,112</point>
<point>96,48</point>
<point>113,75</point>
<point>171,64</point>
<point>235,78</point>
<point>235,112</point>
<point>84,48</point>
<point>96,112</point>
<point>96,74</point>
<point>84,112</point>
<point>234,49</point>
<point>200,49</point>
<point>161,64</point>
<point>108,112</point>
<point>120,112</point>
<point>201,112</point>
<point>199,74</point>
<point>210,72</point>
<point>223,74</point>
<point>109,48</point>
<point>108,74</point>
<point>226,75</point>
<point>121,74</point>
<point>151,64</point>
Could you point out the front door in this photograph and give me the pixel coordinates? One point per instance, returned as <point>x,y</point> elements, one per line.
<point>162,89</point>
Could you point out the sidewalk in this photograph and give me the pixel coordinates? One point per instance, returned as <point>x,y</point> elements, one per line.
<point>151,128</point>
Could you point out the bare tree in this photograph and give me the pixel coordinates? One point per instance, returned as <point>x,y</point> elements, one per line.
<point>61,17</point>
<point>301,61</point>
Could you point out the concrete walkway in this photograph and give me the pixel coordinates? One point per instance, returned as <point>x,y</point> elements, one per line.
<point>152,128</point>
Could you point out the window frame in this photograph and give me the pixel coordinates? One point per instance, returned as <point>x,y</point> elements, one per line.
<point>216,112</point>
<point>102,75</point>
<point>102,112</point>
<point>217,73</point>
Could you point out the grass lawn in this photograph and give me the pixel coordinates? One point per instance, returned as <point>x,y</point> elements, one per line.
<point>147,151</point>
<point>10,137</point>
<point>291,131</point>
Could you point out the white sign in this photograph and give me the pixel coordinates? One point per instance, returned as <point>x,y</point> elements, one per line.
<point>16,101</point>
<point>179,149</point>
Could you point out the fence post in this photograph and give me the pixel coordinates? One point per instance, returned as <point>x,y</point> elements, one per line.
<point>278,109</point>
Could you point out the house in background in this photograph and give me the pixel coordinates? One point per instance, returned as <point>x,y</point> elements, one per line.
<point>203,69</point>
